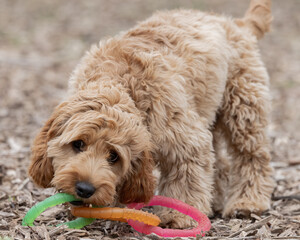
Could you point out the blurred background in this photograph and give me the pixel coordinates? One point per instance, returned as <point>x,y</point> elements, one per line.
<point>42,41</point>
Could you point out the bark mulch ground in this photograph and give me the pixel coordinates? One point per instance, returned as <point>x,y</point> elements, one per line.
<point>40,44</point>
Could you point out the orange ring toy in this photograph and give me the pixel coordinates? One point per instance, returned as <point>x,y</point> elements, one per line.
<point>116,214</point>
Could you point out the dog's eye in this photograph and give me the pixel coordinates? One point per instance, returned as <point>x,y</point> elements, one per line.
<point>113,157</point>
<point>78,145</point>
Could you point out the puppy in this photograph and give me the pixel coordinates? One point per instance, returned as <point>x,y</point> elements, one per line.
<point>171,92</point>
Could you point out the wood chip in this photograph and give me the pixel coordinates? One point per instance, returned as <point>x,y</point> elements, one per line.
<point>7,214</point>
<point>252,226</point>
<point>57,230</point>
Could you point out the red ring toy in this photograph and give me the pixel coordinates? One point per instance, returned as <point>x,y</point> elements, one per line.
<point>203,221</point>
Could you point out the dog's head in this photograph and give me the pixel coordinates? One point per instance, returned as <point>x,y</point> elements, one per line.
<point>96,148</point>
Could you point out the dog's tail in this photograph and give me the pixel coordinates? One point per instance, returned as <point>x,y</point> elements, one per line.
<point>258,17</point>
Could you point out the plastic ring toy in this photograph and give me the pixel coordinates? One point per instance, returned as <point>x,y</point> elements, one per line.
<point>203,221</point>
<point>52,201</point>
<point>119,214</point>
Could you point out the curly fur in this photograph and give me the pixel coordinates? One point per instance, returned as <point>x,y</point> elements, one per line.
<point>173,91</point>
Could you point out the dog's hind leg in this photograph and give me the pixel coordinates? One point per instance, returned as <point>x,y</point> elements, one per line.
<point>245,115</point>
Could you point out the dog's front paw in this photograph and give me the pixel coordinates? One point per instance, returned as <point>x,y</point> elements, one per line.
<point>243,207</point>
<point>174,219</point>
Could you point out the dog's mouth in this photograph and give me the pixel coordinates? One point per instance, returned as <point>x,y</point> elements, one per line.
<point>87,202</point>
<point>78,203</point>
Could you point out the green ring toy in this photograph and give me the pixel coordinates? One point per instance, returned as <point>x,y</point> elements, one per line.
<point>52,201</point>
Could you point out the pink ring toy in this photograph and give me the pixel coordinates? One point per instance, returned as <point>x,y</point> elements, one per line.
<point>203,221</point>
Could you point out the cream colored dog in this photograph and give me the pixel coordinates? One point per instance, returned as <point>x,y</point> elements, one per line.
<point>171,91</point>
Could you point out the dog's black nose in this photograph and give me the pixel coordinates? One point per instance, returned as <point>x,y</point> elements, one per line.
<point>84,189</point>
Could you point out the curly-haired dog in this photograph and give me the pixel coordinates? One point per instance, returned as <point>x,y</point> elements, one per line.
<point>171,91</point>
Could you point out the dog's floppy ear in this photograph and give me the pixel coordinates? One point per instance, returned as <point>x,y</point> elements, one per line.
<point>41,169</point>
<point>140,183</point>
